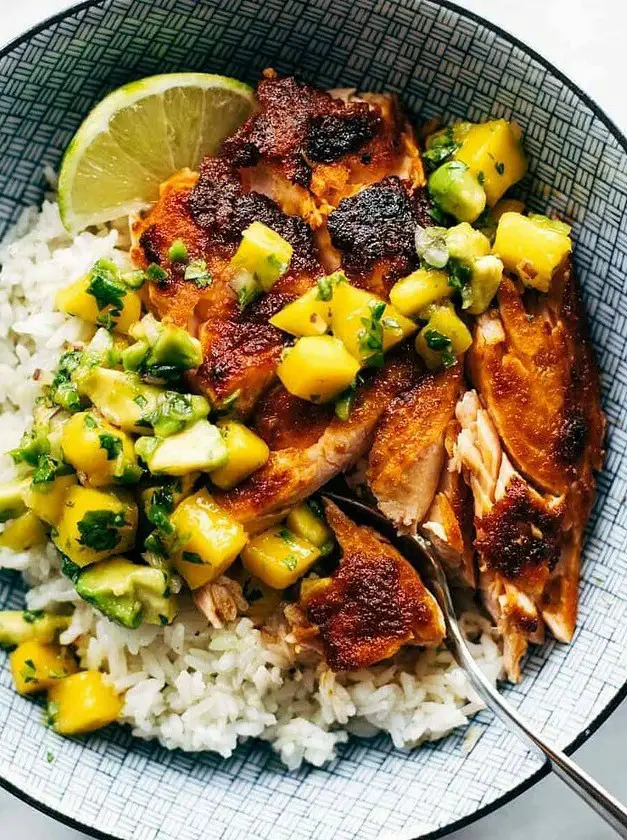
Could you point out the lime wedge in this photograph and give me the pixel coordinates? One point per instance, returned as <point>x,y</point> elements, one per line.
<point>139,136</point>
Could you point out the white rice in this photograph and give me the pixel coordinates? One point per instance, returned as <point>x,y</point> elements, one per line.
<point>189,685</point>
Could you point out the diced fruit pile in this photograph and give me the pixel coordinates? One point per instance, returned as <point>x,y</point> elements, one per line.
<point>119,465</point>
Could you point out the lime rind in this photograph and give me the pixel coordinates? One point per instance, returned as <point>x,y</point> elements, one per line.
<point>140,135</point>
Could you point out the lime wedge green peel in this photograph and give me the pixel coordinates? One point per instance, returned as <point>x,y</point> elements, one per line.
<point>139,136</point>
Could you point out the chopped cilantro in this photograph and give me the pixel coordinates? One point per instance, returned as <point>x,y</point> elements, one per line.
<point>63,392</point>
<point>31,616</point>
<point>192,557</point>
<point>196,272</point>
<point>286,535</point>
<point>108,290</point>
<point>163,619</point>
<point>90,422</point>
<point>70,569</point>
<point>140,400</point>
<point>346,401</point>
<point>51,712</point>
<point>112,446</point>
<point>481,178</point>
<point>172,414</point>
<point>33,445</point>
<point>290,561</point>
<point>45,471</point>
<point>371,336</point>
<point>49,757</point>
<point>459,277</point>
<point>442,344</point>
<point>99,529</point>
<point>442,148</point>
<point>160,507</point>
<point>500,167</point>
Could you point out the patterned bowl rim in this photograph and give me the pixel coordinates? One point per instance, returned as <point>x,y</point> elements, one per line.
<point>621,694</point>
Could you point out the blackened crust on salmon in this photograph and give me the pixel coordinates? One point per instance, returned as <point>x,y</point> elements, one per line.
<point>218,205</point>
<point>520,533</point>
<point>573,436</point>
<point>298,125</point>
<point>332,136</point>
<point>380,221</point>
<point>366,608</point>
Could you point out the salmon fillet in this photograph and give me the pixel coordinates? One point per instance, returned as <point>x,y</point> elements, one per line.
<point>533,366</point>
<point>375,602</point>
<point>406,459</point>
<point>518,533</point>
<point>316,451</point>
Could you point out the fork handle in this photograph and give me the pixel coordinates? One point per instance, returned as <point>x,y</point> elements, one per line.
<point>600,800</point>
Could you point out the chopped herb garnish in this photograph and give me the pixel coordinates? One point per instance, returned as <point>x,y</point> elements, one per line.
<point>290,561</point>
<point>160,507</point>
<point>51,712</point>
<point>63,392</point>
<point>31,616</point>
<point>344,406</point>
<point>174,412</point>
<point>197,273</point>
<point>45,471</point>
<point>90,422</point>
<point>286,535</point>
<point>163,619</point>
<point>99,529</point>
<point>177,252</point>
<point>70,569</point>
<point>371,336</point>
<point>49,757</point>
<point>500,167</point>
<point>156,274</point>
<point>442,148</point>
<point>459,277</point>
<point>442,344</point>
<point>112,446</point>
<point>140,400</point>
<point>108,290</point>
<point>33,445</point>
<point>481,178</point>
<point>192,557</point>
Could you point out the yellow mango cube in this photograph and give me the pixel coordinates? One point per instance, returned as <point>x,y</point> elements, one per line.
<point>530,248</point>
<point>365,324</point>
<point>83,703</point>
<point>307,315</point>
<point>306,523</point>
<point>313,586</point>
<point>46,500</point>
<point>76,299</point>
<point>279,557</point>
<point>95,524</point>
<point>211,539</point>
<point>247,452</point>
<point>443,339</point>
<point>36,666</point>
<point>23,533</point>
<point>318,368</point>
<point>263,253</point>
<point>420,289</point>
<point>100,452</point>
<point>494,154</point>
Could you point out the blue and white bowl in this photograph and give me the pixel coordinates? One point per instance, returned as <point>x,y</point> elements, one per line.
<point>441,61</point>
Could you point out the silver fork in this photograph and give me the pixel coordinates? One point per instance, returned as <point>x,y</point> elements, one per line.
<point>422,554</point>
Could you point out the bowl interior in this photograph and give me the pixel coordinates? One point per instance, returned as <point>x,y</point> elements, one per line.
<point>441,62</point>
